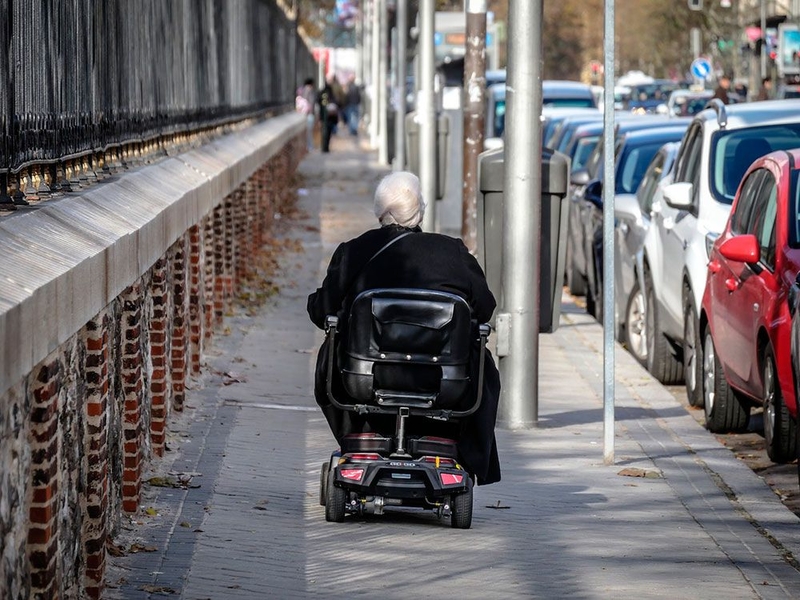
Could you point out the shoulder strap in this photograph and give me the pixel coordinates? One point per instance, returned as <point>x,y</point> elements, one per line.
<point>386,245</point>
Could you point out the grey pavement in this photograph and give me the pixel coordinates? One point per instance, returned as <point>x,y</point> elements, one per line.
<point>560,524</point>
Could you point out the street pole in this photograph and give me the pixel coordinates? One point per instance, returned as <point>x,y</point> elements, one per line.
<point>383,54</point>
<point>474,119</point>
<point>360,47</point>
<point>608,234</point>
<point>764,38</point>
<point>400,74</point>
<point>376,69</point>
<point>426,113</point>
<point>522,181</point>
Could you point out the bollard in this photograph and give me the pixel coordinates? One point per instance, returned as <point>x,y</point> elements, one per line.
<point>555,207</point>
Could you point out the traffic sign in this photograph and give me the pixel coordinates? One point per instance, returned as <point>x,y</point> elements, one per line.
<point>701,67</point>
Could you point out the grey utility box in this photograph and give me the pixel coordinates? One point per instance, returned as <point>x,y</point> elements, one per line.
<point>442,148</point>
<point>555,207</point>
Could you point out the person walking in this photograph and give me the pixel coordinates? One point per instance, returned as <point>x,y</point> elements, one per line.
<point>352,106</point>
<point>304,104</point>
<point>722,89</point>
<point>328,113</point>
<point>765,93</point>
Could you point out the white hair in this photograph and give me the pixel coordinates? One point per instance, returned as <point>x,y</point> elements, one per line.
<point>398,200</point>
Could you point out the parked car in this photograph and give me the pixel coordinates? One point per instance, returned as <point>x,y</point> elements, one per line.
<point>631,228</point>
<point>689,210</point>
<point>633,152</point>
<point>745,322</point>
<point>645,97</point>
<point>787,92</point>
<point>552,117</point>
<point>687,103</point>
<point>555,93</point>
<point>576,258</point>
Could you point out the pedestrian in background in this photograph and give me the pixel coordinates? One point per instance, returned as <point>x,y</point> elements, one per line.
<point>352,105</point>
<point>304,104</point>
<point>722,89</point>
<point>328,113</point>
<point>765,93</point>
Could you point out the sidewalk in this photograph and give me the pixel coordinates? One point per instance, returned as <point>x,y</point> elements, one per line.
<point>559,525</point>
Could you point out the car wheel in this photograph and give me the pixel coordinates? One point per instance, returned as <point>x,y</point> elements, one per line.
<point>661,360</point>
<point>724,411</point>
<point>692,353</point>
<point>461,508</point>
<point>575,281</point>
<point>636,325</point>
<point>779,427</point>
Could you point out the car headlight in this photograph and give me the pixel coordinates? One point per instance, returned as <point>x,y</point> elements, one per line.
<point>710,239</point>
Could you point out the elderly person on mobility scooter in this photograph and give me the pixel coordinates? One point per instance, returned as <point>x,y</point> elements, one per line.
<point>412,398</point>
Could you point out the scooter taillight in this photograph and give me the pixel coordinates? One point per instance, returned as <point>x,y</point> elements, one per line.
<point>352,474</point>
<point>451,478</point>
<point>364,456</point>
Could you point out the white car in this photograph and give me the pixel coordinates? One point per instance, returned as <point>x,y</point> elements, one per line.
<point>689,210</point>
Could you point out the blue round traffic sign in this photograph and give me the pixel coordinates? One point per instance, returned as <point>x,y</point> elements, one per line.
<point>701,67</point>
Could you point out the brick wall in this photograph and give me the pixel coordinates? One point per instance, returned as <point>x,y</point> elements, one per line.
<point>76,434</point>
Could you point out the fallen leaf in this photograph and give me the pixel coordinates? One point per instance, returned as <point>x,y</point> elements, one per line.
<point>637,472</point>
<point>151,511</point>
<point>162,482</point>
<point>115,550</point>
<point>497,506</point>
<point>186,524</point>
<point>140,548</point>
<point>157,589</point>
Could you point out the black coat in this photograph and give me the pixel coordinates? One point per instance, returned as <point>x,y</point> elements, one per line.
<point>420,260</point>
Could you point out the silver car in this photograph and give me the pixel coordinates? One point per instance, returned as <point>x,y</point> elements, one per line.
<point>631,225</point>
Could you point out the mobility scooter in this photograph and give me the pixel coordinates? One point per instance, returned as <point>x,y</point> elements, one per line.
<point>406,353</point>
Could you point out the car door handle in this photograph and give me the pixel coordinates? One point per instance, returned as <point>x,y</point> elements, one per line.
<point>731,284</point>
<point>714,267</point>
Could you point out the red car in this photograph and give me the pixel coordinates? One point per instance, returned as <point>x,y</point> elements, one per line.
<point>746,322</point>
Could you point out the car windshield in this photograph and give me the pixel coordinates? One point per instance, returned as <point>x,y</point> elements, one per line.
<point>793,93</point>
<point>587,102</point>
<point>632,166</point>
<point>733,151</point>
<point>582,150</point>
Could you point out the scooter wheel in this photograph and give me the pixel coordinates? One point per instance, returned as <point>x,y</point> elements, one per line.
<point>335,504</point>
<point>323,483</point>
<point>461,509</point>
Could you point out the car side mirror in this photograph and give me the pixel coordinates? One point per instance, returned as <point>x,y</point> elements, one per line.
<point>662,109</point>
<point>741,248</point>
<point>594,192</point>
<point>626,207</point>
<point>679,195</point>
<point>579,177</point>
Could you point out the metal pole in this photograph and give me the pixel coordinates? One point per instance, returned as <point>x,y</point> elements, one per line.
<point>402,69</point>
<point>474,119</point>
<point>360,46</point>
<point>426,113</point>
<point>522,217</point>
<point>608,235</point>
<point>376,70</point>
<point>383,54</point>
<point>764,38</point>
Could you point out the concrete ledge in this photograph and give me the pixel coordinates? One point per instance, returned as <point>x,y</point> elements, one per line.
<point>63,262</point>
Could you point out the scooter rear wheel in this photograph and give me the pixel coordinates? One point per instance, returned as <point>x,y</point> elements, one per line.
<point>323,483</point>
<point>334,502</point>
<point>461,509</point>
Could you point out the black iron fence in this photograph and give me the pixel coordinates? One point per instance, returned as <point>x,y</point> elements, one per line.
<point>78,77</point>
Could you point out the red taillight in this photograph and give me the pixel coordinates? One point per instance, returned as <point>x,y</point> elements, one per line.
<point>440,461</point>
<point>450,478</point>
<point>352,474</point>
<point>364,456</point>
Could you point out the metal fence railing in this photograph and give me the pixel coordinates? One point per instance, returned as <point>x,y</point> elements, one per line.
<point>78,77</point>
